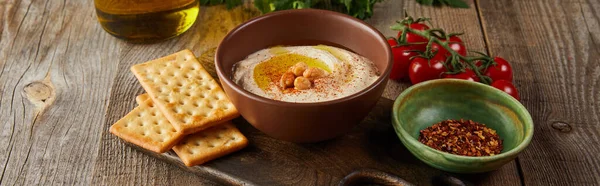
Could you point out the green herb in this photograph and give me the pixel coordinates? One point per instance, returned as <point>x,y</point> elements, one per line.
<point>229,3</point>
<point>361,9</point>
<point>450,3</point>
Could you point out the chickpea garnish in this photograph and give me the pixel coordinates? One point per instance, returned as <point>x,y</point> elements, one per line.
<point>300,76</point>
<point>287,80</point>
<point>313,73</point>
<point>302,83</point>
<point>299,68</point>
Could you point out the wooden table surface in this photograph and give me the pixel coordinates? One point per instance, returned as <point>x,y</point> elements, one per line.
<point>64,81</point>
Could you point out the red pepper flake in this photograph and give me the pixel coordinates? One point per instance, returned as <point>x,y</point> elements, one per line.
<point>460,137</point>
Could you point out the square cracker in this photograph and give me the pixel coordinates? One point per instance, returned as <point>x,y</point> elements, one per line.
<point>141,98</point>
<point>148,128</point>
<point>185,92</point>
<point>210,144</point>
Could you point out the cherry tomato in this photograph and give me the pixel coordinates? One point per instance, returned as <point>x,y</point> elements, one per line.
<point>402,55</point>
<point>440,51</point>
<point>457,45</point>
<point>468,74</point>
<point>414,38</point>
<point>392,41</point>
<point>419,26</point>
<point>422,70</point>
<point>507,87</point>
<point>501,71</point>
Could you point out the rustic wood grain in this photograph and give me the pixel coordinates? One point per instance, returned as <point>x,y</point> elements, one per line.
<point>54,83</point>
<point>272,162</point>
<point>64,81</point>
<point>554,47</point>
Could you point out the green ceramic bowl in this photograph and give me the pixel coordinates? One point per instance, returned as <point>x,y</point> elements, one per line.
<point>427,103</point>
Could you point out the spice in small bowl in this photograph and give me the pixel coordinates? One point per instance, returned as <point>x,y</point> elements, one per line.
<point>462,137</point>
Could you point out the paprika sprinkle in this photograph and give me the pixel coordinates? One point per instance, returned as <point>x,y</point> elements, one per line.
<point>460,137</point>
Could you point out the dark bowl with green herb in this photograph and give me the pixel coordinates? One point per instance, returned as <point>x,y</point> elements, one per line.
<point>430,102</point>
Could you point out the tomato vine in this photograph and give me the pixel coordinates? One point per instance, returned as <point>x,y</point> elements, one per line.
<point>455,63</point>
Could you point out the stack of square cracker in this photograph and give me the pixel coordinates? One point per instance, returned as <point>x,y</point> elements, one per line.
<point>184,109</point>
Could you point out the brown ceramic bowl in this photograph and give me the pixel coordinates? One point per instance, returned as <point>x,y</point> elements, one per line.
<point>303,122</point>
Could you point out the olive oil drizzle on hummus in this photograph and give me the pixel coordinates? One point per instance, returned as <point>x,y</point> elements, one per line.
<point>340,57</point>
<point>342,73</point>
<point>271,70</point>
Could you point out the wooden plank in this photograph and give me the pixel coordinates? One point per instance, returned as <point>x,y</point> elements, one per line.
<point>554,48</point>
<point>54,75</point>
<point>57,79</point>
<point>273,162</point>
<point>135,168</point>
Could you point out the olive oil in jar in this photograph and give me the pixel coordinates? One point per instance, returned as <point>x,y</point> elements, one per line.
<point>143,21</point>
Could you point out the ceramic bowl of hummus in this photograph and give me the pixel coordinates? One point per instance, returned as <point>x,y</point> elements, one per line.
<point>304,75</point>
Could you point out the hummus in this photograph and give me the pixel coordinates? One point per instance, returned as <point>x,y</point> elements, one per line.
<point>343,73</point>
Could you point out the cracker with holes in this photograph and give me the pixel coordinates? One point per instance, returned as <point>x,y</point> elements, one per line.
<point>141,98</point>
<point>148,128</point>
<point>185,92</point>
<point>210,144</point>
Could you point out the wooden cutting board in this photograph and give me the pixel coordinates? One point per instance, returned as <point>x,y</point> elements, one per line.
<point>268,161</point>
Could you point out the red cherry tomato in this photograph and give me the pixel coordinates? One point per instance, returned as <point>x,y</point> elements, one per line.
<point>392,41</point>
<point>468,74</point>
<point>507,87</point>
<point>402,55</point>
<point>419,26</point>
<point>423,70</point>
<point>414,38</point>
<point>501,71</point>
<point>440,51</point>
<point>457,45</point>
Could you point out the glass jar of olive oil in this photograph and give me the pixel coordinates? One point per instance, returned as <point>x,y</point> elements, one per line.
<point>144,21</point>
